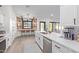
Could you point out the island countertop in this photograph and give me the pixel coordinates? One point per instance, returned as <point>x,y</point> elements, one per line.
<point>56,37</point>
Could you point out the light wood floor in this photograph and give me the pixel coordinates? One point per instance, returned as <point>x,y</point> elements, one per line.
<point>24,44</point>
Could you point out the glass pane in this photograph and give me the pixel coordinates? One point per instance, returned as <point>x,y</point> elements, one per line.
<point>50,27</point>
<point>42,26</point>
<point>57,26</point>
<point>27,24</point>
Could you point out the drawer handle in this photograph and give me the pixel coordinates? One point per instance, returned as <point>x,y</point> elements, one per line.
<point>57,46</point>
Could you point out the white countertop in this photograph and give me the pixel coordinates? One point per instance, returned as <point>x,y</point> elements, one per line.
<point>71,44</point>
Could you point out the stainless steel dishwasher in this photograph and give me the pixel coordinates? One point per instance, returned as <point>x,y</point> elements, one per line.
<point>47,45</point>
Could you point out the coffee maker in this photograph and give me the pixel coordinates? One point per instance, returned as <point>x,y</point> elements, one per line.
<point>69,33</point>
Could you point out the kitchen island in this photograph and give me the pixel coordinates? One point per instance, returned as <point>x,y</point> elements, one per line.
<point>58,44</point>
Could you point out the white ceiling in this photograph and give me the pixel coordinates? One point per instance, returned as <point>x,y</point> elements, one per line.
<point>40,11</point>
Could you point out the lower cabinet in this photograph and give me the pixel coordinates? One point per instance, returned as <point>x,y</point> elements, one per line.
<point>39,40</point>
<point>49,46</point>
<point>57,48</point>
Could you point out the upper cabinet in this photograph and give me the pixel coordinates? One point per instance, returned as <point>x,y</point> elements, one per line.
<point>68,15</point>
<point>77,15</point>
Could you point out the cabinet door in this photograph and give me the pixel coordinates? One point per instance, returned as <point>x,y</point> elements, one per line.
<point>55,48</point>
<point>66,50</point>
<point>41,41</point>
<point>67,14</point>
<point>36,36</point>
<point>77,21</point>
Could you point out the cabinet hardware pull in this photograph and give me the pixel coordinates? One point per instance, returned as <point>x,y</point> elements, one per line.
<point>57,46</point>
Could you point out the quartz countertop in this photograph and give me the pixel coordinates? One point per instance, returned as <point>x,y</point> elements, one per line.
<point>56,37</point>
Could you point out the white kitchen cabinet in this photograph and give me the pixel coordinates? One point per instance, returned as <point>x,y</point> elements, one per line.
<point>39,39</point>
<point>67,14</point>
<point>77,15</point>
<point>46,44</point>
<point>57,48</point>
<point>7,43</point>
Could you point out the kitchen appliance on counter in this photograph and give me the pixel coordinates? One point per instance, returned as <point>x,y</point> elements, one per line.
<point>71,32</point>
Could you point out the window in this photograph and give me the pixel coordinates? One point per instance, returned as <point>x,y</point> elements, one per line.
<point>28,24</point>
<point>53,26</point>
<point>57,26</point>
<point>50,26</point>
<point>42,26</point>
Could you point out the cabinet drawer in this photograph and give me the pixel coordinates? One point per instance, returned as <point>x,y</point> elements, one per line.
<point>55,48</point>
<point>65,49</point>
<point>61,48</point>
